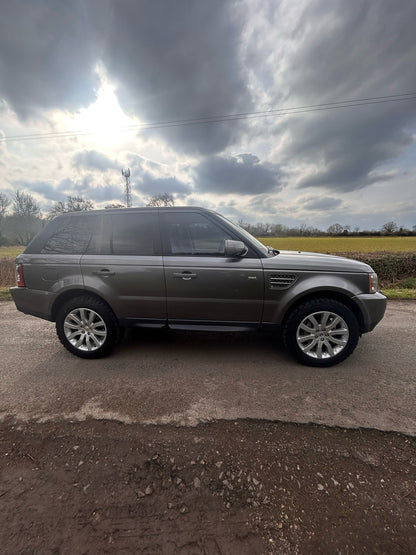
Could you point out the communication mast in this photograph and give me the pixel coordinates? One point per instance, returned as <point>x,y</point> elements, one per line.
<point>126,175</point>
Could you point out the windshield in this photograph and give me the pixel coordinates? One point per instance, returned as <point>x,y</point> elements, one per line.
<point>255,242</point>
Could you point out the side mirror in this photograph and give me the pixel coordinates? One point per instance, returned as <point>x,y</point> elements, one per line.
<point>235,249</point>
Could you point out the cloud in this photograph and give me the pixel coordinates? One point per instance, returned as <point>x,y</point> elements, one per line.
<point>328,52</point>
<point>178,60</point>
<point>342,152</point>
<point>90,188</point>
<point>151,186</point>
<point>151,178</point>
<point>321,203</point>
<point>47,190</point>
<point>93,160</point>
<point>47,55</point>
<point>342,55</point>
<point>243,174</point>
<point>171,61</point>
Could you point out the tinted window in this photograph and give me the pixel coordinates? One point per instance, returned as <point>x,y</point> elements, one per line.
<point>133,234</point>
<point>72,236</point>
<point>194,234</point>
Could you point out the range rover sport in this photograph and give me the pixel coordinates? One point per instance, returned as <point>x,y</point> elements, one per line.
<point>94,273</point>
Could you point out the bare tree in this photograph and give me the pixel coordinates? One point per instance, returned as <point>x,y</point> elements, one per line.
<point>72,204</point>
<point>114,205</point>
<point>25,205</point>
<point>389,228</point>
<point>335,229</point>
<point>25,221</point>
<point>161,199</point>
<point>4,204</point>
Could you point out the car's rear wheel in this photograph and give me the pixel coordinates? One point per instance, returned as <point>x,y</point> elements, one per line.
<point>87,327</point>
<point>321,332</point>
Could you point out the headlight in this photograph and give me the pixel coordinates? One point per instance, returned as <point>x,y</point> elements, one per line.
<point>373,283</point>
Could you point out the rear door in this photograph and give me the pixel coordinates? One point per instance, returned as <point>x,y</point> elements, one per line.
<point>125,267</point>
<point>203,286</point>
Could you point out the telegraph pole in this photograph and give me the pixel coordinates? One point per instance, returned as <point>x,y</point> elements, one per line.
<point>126,175</point>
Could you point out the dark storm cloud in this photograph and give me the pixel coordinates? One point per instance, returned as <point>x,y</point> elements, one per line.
<point>171,61</point>
<point>93,160</point>
<point>348,50</point>
<point>244,174</point>
<point>46,55</point>
<point>349,146</point>
<point>179,60</point>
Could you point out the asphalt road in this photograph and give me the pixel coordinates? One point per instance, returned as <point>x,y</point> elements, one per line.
<point>185,378</point>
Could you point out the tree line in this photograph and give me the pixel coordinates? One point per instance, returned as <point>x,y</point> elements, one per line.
<point>335,230</point>
<point>21,218</point>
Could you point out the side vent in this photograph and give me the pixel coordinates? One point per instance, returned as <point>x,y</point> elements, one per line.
<point>281,281</point>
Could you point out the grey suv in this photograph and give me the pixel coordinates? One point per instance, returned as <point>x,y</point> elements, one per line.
<point>94,273</point>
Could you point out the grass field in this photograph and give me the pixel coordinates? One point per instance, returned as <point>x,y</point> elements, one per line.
<point>10,252</point>
<point>342,244</point>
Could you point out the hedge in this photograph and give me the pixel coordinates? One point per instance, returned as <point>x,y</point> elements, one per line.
<point>389,267</point>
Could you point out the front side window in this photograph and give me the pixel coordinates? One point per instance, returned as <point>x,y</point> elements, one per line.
<point>194,234</point>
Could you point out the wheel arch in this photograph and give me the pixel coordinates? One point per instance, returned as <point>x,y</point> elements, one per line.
<point>71,294</point>
<point>329,294</point>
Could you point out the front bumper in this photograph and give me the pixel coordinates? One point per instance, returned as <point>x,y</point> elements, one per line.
<point>372,307</point>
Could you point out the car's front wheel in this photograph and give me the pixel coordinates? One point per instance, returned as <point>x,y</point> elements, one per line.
<point>321,332</point>
<point>87,327</point>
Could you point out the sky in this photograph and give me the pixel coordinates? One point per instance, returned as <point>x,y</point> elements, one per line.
<point>293,112</point>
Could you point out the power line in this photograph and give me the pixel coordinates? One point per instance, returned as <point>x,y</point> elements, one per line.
<point>227,117</point>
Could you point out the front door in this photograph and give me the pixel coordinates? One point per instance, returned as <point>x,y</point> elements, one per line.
<point>203,286</point>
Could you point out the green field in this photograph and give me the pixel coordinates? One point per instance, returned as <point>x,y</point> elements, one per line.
<point>10,252</point>
<point>342,244</point>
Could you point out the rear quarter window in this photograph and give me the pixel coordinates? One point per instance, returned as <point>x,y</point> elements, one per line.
<point>73,236</point>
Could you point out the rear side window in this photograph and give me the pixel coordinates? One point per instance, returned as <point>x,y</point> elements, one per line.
<point>73,235</point>
<point>133,234</point>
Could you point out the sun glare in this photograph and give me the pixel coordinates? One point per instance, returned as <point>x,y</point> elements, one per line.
<point>104,121</point>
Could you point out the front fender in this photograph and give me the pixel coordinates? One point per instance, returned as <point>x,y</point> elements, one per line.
<point>278,303</point>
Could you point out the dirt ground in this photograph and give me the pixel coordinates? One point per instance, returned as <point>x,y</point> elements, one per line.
<point>241,487</point>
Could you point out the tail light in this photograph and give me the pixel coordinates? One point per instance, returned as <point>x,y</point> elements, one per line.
<point>20,280</point>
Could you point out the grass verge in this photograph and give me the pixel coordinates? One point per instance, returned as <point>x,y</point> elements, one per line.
<point>5,294</point>
<point>400,294</point>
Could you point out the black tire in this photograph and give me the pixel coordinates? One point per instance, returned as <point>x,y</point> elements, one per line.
<point>87,327</point>
<point>321,332</point>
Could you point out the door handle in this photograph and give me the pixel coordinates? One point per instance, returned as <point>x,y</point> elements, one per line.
<point>186,276</point>
<point>104,273</point>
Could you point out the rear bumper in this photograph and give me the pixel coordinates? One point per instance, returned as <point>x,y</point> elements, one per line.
<point>372,307</point>
<point>34,302</point>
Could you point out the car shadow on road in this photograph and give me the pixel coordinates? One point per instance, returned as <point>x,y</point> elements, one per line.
<point>268,345</point>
